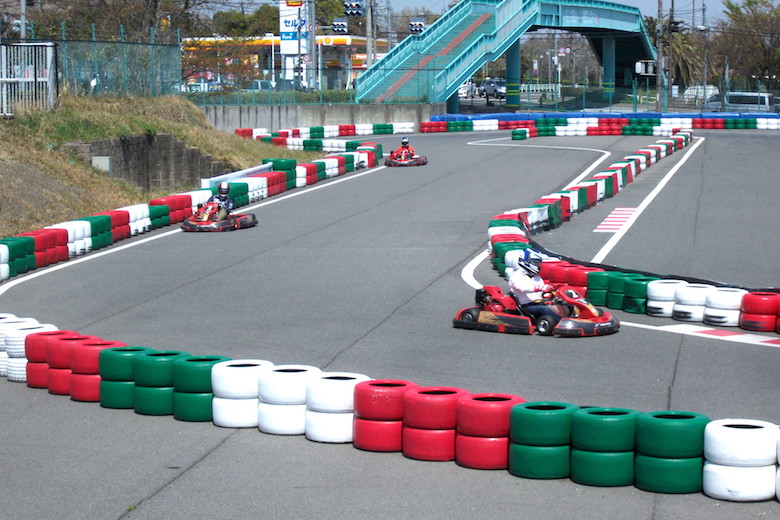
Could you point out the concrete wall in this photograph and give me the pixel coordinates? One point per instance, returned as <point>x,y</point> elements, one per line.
<point>275,117</point>
<point>150,161</point>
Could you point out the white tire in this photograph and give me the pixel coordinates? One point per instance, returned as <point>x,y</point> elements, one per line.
<point>285,384</point>
<point>693,294</point>
<point>234,413</point>
<point>15,339</point>
<point>739,484</point>
<point>329,427</point>
<point>663,290</point>
<point>660,308</point>
<point>684,312</point>
<point>741,442</point>
<point>333,391</point>
<point>727,298</point>
<point>721,317</point>
<point>281,419</point>
<point>16,370</point>
<point>3,363</point>
<point>10,324</point>
<point>237,378</point>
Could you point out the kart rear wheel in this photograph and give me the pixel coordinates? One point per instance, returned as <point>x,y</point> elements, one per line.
<point>545,325</point>
<point>469,316</point>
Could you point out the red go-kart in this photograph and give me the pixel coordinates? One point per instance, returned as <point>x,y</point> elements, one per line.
<point>498,312</point>
<point>207,219</point>
<point>405,159</point>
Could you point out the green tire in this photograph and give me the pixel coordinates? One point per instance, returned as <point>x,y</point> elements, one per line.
<point>604,429</point>
<point>155,368</point>
<point>116,364</point>
<point>192,374</point>
<point>541,423</point>
<point>671,476</point>
<point>192,407</point>
<point>539,462</point>
<point>635,305</point>
<point>671,434</point>
<point>153,400</point>
<point>615,300</point>
<point>597,297</point>
<point>117,394</point>
<point>602,469</point>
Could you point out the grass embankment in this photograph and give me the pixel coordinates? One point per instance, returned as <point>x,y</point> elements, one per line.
<point>43,183</point>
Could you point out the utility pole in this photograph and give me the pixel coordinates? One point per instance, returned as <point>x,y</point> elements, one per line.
<point>671,49</point>
<point>369,32</point>
<point>659,49</point>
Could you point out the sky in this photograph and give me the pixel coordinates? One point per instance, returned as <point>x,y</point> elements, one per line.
<point>683,9</point>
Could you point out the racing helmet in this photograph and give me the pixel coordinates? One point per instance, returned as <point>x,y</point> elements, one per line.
<point>529,267</point>
<point>404,142</point>
<point>224,189</point>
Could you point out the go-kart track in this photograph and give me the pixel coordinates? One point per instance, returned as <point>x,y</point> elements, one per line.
<point>362,273</point>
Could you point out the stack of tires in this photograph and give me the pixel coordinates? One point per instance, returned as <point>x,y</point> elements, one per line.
<point>482,439</point>
<point>35,348</point>
<point>690,301</point>
<point>660,297</point>
<point>540,439</point>
<point>577,277</point>
<point>234,384</point>
<point>670,451</point>
<point>602,446</point>
<point>117,379</point>
<point>598,284</point>
<point>635,299</point>
<point>85,368</point>
<point>722,306</point>
<point>153,376</point>
<point>13,340</point>
<point>740,460</point>
<point>9,322</point>
<point>430,420</point>
<point>759,311</point>
<point>192,393</point>
<point>616,288</point>
<point>281,408</point>
<point>330,405</point>
<point>379,413</point>
<point>58,361</point>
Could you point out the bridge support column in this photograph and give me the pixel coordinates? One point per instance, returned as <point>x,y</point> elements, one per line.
<point>608,56</point>
<point>453,104</point>
<point>513,76</point>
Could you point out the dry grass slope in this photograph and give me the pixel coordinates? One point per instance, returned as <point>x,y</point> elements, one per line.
<point>42,184</point>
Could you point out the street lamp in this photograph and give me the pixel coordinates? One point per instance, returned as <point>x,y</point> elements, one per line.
<point>270,36</point>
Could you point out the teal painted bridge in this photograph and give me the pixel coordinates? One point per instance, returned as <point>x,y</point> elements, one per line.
<point>429,67</point>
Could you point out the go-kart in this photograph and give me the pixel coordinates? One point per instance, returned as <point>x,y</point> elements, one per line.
<point>206,218</point>
<point>496,311</point>
<point>405,159</point>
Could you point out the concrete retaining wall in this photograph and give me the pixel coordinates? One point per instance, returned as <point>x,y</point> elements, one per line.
<point>275,117</point>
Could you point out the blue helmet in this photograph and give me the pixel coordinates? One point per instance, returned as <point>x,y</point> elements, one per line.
<point>530,267</point>
<point>404,141</point>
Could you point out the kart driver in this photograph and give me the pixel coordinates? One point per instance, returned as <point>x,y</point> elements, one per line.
<point>529,288</point>
<point>224,201</point>
<point>404,151</point>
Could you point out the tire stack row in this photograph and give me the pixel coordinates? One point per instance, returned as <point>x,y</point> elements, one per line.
<point>13,334</point>
<point>8,322</point>
<point>722,306</point>
<point>430,422</point>
<point>117,376</point>
<point>58,349</point>
<point>690,301</point>
<point>153,377</point>
<point>281,408</point>
<point>330,405</point>
<point>540,439</point>
<point>235,387</point>
<point>741,460</point>
<point>635,300</point>
<point>192,392</point>
<point>602,446</point>
<point>660,296</point>
<point>36,348</point>
<point>482,437</point>
<point>379,412</point>
<point>84,381</point>
<point>759,311</point>
<point>616,288</point>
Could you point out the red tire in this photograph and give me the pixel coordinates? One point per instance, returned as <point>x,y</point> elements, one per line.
<point>58,350</point>
<point>37,375</point>
<point>432,407</point>
<point>578,275</point>
<point>758,322</point>
<point>85,355</point>
<point>482,452</point>
<point>485,415</point>
<point>381,399</point>
<point>383,436</point>
<point>35,345</point>
<point>761,303</point>
<point>433,445</point>
<point>85,387</point>
<point>558,272</point>
<point>58,381</point>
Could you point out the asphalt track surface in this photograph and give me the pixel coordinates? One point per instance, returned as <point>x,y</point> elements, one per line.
<point>364,274</point>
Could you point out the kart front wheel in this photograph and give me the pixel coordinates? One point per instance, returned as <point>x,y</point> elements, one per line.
<point>545,325</point>
<point>469,316</point>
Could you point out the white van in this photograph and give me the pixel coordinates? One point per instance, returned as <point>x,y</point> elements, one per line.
<point>741,102</point>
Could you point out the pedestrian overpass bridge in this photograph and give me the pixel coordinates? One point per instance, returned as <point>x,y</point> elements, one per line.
<point>432,65</point>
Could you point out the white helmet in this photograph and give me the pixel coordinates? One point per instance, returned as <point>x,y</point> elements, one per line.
<point>529,267</point>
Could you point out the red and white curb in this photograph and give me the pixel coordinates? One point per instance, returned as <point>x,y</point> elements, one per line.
<point>710,333</point>
<point>615,220</point>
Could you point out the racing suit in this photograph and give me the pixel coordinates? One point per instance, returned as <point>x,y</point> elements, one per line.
<point>225,205</point>
<point>403,152</point>
<point>529,293</point>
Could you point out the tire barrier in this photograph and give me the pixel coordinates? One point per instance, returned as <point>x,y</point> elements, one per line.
<point>540,439</point>
<point>153,378</point>
<point>379,412</point>
<point>330,405</point>
<point>282,398</point>
<point>430,421</point>
<point>482,427</point>
<point>192,391</point>
<point>117,379</point>
<point>235,387</point>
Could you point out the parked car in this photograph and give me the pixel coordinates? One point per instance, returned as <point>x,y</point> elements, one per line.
<point>257,85</point>
<point>700,93</point>
<point>493,88</point>
<point>741,102</point>
<point>289,85</point>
